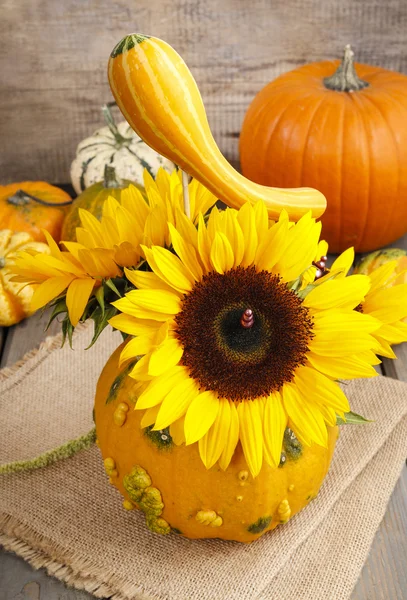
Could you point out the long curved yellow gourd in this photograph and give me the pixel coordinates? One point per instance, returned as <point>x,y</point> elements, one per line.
<point>160,99</point>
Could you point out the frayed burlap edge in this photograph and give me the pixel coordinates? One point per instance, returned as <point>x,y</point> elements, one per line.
<point>89,578</point>
<point>52,342</point>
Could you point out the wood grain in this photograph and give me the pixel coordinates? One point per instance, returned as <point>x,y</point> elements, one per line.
<point>53,62</point>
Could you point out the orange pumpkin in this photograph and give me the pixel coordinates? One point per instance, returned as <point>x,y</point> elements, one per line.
<point>32,206</point>
<point>171,486</point>
<point>344,133</point>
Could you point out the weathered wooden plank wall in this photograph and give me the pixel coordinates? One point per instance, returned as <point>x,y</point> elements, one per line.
<point>54,54</point>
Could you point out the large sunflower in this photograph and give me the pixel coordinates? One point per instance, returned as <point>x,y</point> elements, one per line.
<point>230,351</point>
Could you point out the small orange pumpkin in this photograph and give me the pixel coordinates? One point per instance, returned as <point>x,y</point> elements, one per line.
<point>344,134</point>
<point>32,206</point>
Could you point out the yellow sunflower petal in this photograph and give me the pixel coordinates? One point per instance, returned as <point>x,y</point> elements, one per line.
<point>273,245</point>
<point>383,348</point>
<point>275,422</point>
<point>186,253</point>
<point>301,246</point>
<point>145,280</point>
<point>380,276</point>
<point>124,305</point>
<point>166,356</point>
<point>262,219</point>
<point>49,290</point>
<point>160,387</point>
<point>338,293</point>
<point>388,304</point>
<point>133,326</point>
<point>329,415</point>
<point>177,431</point>
<point>53,246</point>
<point>393,333</point>
<point>250,414</point>
<point>186,228</point>
<point>204,246</point>
<point>342,333</point>
<point>137,346</point>
<point>176,403</point>
<point>150,416</point>
<point>221,256</point>
<point>204,199</point>
<point>211,445</point>
<point>321,389</point>
<point>171,267</point>
<point>156,227</point>
<point>342,367</point>
<point>247,222</point>
<point>344,262</point>
<point>77,297</point>
<point>93,227</point>
<point>234,234</point>
<point>140,370</point>
<point>200,416</point>
<point>232,438</point>
<point>160,301</point>
<point>305,417</point>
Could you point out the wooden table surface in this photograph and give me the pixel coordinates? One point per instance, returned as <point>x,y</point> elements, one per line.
<point>384,576</point>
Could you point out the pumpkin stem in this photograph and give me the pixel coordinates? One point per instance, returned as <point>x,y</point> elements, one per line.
<point>345,78</point>
<point>110,178</point>
<point>21,198</point>
<point>107,113</point>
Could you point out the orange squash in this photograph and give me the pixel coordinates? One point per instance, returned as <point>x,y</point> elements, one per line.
<point>159,98</point>
<point>32,206</point>
<point>170,484</point>
<point>15,298</point>
<point>344,133</point>
<point>92,199</point>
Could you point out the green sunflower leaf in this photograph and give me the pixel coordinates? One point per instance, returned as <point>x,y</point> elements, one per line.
<point>352,419</point>
<point>111,285</point>
<point>100,297</point>
<point>101,321</point>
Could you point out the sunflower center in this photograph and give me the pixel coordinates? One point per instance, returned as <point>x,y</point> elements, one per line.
<point>244,333</point>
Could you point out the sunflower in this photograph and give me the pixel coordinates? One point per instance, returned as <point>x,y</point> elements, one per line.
<point>386,300</point>
<point>228,350</point>
<point>104,247</point>
<point>76,274</point>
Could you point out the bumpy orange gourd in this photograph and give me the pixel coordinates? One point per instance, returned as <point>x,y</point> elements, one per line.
<point>15,297</point>
<point>32,206</point>
<point>374,260</point>
<point>92,199</point>
<point>175,491</point>
<point>157,94</point>
<point>346,135</point>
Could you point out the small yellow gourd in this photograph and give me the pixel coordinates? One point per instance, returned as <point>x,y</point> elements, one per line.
<point>15,298</point>
<point>160,99</point>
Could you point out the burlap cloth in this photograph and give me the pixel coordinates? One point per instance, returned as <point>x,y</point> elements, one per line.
<point>65,517</point>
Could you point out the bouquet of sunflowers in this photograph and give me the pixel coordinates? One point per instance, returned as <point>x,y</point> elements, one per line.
<point>217,416</point>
